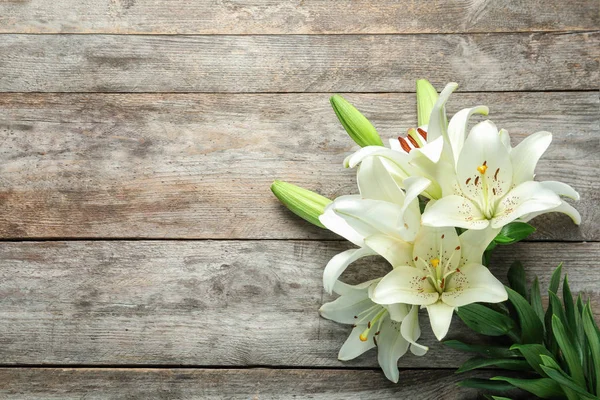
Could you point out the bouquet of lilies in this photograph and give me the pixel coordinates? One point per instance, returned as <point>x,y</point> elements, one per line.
<point>430,204</point>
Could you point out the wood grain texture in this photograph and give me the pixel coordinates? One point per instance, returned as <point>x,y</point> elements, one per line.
<point>293,16</point>
<point>305,63</point>
<point>200,165</point>
<point>206,303</point>
<point>227,384</point>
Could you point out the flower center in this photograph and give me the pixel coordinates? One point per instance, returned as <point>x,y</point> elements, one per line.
<point>482,168</point>
<point>415,139</point>
<point>377,319</point>
<point>437,274</point>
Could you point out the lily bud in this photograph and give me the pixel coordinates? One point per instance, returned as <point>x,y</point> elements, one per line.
<point>302,202</point>
<point>426,98</point>
<point>358,127</point>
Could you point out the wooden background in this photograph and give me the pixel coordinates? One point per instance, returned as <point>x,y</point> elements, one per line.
<point>142,254</point>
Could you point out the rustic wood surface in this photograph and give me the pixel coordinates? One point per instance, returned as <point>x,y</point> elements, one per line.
<point>130,127</point>
<point>228,384</point>
<point>294,16</point>
<point>292,63</point>
<point>217,303</point>
<point>200,165</point>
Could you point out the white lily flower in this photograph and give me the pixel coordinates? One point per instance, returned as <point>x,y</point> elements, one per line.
<point>415,155</point>
<point>444,272</point>
<point>493,187</point>
<point>380,215</point>
<point>524,158</point>
<point>392,328</point>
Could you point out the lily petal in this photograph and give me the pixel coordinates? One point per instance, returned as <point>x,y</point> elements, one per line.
<point>564,208</point>
<point>484,170</point>
<point>398,311</point>
<point>338,264</point>
<point>525,155</point>
<point>353,346</point>
<point>561,189</point>
<point>404,285</point>
<point>411,331</point>
<point>457,129</point>
<point>392,346</point>
<point>397,252</point>
<point>473,283</point>
<point>438,121</point>
<point>369,217</point>
<point>473,243</point>
<point>505,139</point>
<point>528,197</point>
<point>337,224</point>
<point>401,159</point>
<point>430,242</point>
<point>440,318</point>
<point>376,183</point>
<point>454,211</point>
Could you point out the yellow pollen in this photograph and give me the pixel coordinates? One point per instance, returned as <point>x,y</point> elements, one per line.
<point>482,169</point>
<point>435,262</point>
<point>363,337</point>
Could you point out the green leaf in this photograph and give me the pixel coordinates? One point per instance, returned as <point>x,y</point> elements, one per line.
<point>513,364</point>
<point>302,202</point>
<point>549,362</point>
<point>532,353</point>
<point>500,398</point>
<point>536,299</point>
<point>426,98</point>
<point>593,340</point>
<point>489,351</point>
<point>569,305</point>
<point>532,330</point>
<point>483,320</point>
<point>541,387</point>
<point>557,308</point>
<point>565,381</point>
<point>568,350</point>
<point>514,231</point>
<point>501,239</point>
<point>516,278</point>
<point>486,384</point>
<point>356,125</point>
<point>555,280</point>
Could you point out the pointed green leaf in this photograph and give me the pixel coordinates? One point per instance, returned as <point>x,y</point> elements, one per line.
<point>568,350</point>
<point>569,304</point>
<point>536,299</point>
<point>516,278</point>
<point>515,231</point>
<point>593,340</point>
<point>302,202</point>
<point>549,362</point>
<point>356,125</point>
<point>513,364</point>
<point>532,330</point>
<point>532,353</point>
<point>557,308</point>
<point>555,280</point>
<point>486,384</point>
<point>483,320</point>
<point>541,387</point>
<point>561,378</point>
<point>489,351</point>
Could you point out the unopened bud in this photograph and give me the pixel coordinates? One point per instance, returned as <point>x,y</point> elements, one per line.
<point>358,127</point>
<point>302,202</point>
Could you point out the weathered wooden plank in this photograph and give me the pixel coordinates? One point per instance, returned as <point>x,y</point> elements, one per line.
<point>200,165</point>
<point>206,303</point>
<point>305,63</point>
<point>293,16</point>
<point>229,384</point>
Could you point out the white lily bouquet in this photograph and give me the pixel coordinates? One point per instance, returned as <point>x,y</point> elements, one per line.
<point>434,205</point>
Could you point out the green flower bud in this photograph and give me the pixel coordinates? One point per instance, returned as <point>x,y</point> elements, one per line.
<point>358,127</point>
<point>302,202</point>
<point>426,98</point>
